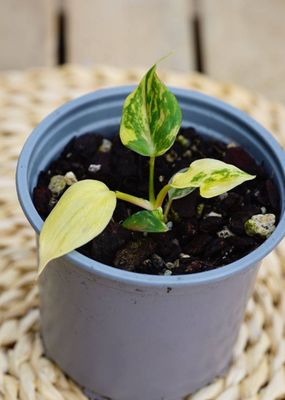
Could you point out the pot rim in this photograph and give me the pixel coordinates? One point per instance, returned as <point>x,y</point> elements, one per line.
<point>105,271</point>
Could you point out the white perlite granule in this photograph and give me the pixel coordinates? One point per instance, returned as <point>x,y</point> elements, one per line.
<point>94,167</point>
<point>105,146</point>
<point>57,184</point>
<point>167,272</point>
<point>169,225</point>
<point>70,178</point>
<point>260,224</point>
<point>213,214</point>
<point>225,233</point>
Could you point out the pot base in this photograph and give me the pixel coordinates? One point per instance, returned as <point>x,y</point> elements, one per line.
<point>94,396</point>
<point>91,395</point>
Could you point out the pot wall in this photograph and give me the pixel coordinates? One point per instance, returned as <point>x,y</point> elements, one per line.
<point>135,342</point>
<point>132,336</point>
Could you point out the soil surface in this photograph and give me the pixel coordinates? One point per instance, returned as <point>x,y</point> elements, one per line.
<point>206,233</point>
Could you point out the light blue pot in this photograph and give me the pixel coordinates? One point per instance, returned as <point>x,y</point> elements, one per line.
<point>132,336</point>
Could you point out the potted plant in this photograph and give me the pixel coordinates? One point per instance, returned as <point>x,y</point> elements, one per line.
<point>129,335</point>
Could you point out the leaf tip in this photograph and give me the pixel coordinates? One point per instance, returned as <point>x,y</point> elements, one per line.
<point>41,267</point>
<point>169,54</point>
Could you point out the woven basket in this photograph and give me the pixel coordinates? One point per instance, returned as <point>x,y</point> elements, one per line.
<point>258,367</point>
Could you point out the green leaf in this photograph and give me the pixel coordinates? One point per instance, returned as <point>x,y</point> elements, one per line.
<point>214,177</point>
<point>146,221</point>
<point>175,194</point>
<point>151,117</point>
<point>82,213</point>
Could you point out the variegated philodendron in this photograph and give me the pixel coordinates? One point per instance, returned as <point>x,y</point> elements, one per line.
<point>150,122</point>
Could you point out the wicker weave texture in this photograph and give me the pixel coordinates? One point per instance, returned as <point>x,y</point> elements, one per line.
<point>258,368</point>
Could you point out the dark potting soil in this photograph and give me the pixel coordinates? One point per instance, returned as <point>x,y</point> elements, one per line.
<point>206,233</point>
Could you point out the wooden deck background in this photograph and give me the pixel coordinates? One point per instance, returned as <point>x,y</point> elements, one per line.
<point>236,41</point>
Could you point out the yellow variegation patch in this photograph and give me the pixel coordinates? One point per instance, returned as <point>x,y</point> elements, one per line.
<point>81,214</point>
<point>213,177</point>
<point>151,117</point>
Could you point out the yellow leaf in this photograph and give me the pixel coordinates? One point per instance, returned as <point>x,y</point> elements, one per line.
<point>213,177</point>
<point>82,213</point>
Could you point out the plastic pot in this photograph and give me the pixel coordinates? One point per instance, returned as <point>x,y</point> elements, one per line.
<point>132,336</point>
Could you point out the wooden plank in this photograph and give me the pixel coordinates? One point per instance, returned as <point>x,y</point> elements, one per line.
<point>27,33</point>
<point>244,43</point>
<point>129,33</point>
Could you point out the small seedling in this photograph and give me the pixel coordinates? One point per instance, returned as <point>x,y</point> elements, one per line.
<point>150,123</point>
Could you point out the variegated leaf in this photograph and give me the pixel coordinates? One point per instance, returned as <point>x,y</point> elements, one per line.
<point>213,177</point>
<point>151,117</point>
<point>82,213</point>
<point>146,221</point>
<point>175,194</point>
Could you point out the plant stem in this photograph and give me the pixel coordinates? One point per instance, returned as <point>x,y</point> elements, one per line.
<point>161,196</point>
<point>137,201</point>
<point>167,209</point>
<point>151,180</point>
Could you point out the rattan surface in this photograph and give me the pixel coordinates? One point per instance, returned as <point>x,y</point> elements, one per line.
<point>258,368</point>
